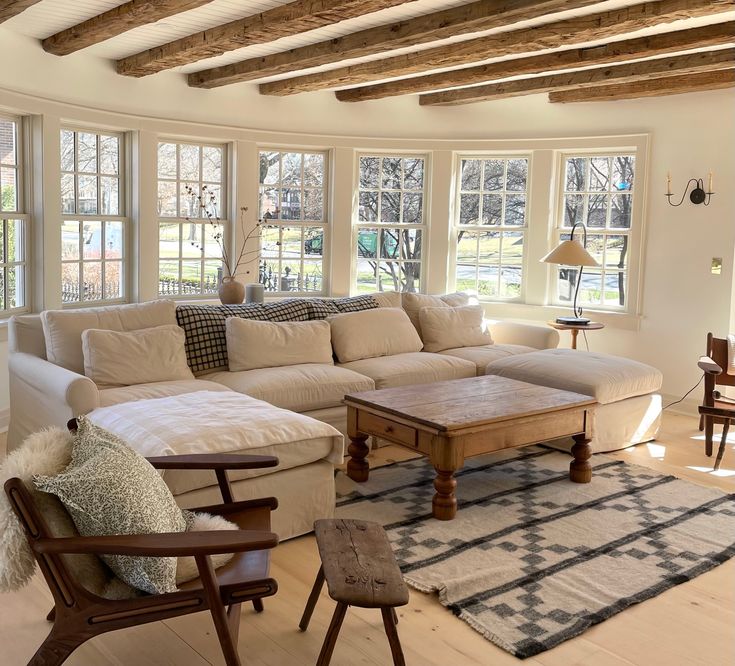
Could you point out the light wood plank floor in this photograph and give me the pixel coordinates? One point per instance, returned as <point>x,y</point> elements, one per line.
<point>691,624</point>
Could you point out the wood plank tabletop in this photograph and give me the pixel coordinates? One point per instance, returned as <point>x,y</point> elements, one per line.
<point>461,403</point>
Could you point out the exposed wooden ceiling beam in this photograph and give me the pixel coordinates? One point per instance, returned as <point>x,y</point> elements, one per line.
<point>707,36</point>
<point>669,85</point>
<point>282,21</point>
<point>580,29</point>
<point>114,22</point>
<point>637,71</point>
<point>10,8</point>
<point>473,17</point>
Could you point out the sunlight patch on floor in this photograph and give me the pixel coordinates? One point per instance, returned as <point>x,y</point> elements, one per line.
<point>725,473</point>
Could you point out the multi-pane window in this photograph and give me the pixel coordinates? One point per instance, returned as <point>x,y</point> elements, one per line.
<point>491,225</point>
<point>13,219</point>
<point>390,222</point>
<point>598,192</point>
<point>192,215</point>
<point>93,217</point>
<point>294,221</point>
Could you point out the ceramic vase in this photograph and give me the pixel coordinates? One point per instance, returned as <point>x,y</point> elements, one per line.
<point>231,292</point>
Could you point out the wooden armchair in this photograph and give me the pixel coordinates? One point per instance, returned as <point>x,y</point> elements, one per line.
<point>716,407</point>
<point>79,615</point>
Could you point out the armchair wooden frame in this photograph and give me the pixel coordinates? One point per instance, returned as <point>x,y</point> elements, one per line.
<point>716,409</point>
<point>79,615</point>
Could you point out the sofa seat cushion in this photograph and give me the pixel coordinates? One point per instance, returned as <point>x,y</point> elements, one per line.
<point>219,422</point>
<point>485,354</point>
<point>114,396</point>
<point>300,388</point>
<point>411,368</point>
<point>605,377</point>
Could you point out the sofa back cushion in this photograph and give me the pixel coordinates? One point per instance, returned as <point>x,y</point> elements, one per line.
<point>62,329</point>
<point>373,333</point>
<point>264,344</point>
<point>125,358</point>
<point>204,325</point>
<point>412,304</point>
<point>450,328</point>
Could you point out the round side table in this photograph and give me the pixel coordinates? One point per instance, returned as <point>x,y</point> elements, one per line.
<point>575,328</point>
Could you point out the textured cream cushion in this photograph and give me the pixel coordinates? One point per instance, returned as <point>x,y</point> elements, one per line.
<point>449,328</point>
<point>373,333</point>
<point>412,304</point>
<point>117,358</point>
<point>412,368</point>
<point>263,344</point>
<point>114,396</point>
<point>300,388</point>
<point>605,377</point>
<point>481,356</point>
<point>387,299</point>
<point>62,329</point>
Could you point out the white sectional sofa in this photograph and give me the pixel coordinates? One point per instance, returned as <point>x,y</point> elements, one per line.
<point>48,385</point>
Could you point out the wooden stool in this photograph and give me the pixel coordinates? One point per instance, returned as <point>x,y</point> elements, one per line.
<point>361,570</point>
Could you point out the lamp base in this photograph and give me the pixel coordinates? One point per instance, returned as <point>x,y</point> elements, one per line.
<point>573,321</point>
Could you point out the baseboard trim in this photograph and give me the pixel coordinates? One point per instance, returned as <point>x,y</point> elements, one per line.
<point>687,407</point>
<point>4,419</point>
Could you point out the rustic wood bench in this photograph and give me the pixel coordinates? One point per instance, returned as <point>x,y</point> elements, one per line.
<point>361,570</point>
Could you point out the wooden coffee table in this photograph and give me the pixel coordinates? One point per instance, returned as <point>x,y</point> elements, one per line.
<point>453,420</point>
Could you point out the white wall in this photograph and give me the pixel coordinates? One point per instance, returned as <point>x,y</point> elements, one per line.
<point>690,135</point>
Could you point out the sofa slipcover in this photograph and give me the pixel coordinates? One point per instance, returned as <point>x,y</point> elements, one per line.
<point>300,388</point>
<point>411,368</point>
<point>485,354</point>
<point>119,394</point>
<point>605,377</point>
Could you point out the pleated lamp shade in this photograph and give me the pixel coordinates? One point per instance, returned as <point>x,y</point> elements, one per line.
<point>570,253</point>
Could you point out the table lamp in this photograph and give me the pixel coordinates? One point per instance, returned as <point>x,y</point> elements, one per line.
<point>572,253</point>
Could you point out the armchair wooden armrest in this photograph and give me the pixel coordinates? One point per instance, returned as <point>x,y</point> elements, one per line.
<point>170,544</point>
<point>235,507</point>
<point>214,461</point>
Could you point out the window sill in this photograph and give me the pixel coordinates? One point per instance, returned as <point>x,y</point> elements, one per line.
<point>542,313</point>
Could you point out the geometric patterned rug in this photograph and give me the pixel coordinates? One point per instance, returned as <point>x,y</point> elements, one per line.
<point>532,560</point>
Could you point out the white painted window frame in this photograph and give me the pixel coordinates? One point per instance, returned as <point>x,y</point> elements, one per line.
<point>123,215</point>
<point>424,227</point>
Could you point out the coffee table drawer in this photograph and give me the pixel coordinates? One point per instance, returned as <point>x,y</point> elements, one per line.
<point>382,427</point>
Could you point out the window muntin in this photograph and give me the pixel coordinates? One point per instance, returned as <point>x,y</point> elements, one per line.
<point>190,260</point>
<point>13,219</point>
<point>391,226</point>
<point>294,219</point>
<point>491,225</point>
<point>94,223</point>
<point>598,191</point>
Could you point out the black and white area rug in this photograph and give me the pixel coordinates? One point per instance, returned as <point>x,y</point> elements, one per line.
<point>532,560</point>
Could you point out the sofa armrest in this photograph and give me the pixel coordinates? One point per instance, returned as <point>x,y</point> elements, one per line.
<point>43,394</point>
<point>530,335</point>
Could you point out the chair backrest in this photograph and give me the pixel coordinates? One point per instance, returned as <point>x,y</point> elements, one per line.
<point>72,579</point>
<point>717,351</point>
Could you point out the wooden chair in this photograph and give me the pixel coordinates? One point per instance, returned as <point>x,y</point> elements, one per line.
<point>713,364</point>
<point>79,615</point>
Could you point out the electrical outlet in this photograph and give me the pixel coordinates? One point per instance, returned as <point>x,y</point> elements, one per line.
<point>716,266</point>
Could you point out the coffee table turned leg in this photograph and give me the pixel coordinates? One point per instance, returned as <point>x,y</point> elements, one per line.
<point>580,470</point>
<point>358,468</point>
<point>444,504</point>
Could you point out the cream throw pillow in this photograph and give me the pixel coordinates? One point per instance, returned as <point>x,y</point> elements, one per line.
<point>372,333</point>
<point>412,304</point>
<point>255,344</point>
<point>62,329</point>
<point>115,358</point>
<point>449,328</point>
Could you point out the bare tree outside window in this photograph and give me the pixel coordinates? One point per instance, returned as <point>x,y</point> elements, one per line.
<point>390,223</point>
<point>293,212</point>
<point>491,225</point>
<point>598,191</point>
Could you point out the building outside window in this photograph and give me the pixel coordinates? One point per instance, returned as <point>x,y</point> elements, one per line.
<point>491,225</point>
<point>191,182</point>
<point>294,234</point>
<point>598,191</point>
<point>14,220</point>
<point>391,223</point>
